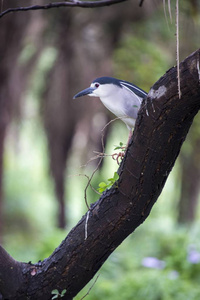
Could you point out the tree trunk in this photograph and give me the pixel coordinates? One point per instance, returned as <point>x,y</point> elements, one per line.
<point>161,128</point>
<point>12,80</point>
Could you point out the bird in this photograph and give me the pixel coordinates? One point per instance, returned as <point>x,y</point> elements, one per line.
<point>121,97</point>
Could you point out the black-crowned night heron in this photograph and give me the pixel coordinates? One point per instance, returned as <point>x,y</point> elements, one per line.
<point>122,98</point>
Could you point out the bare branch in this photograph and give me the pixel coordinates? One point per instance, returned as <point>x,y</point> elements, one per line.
<point>169,9</point>
<point>71,3</point>
<point>141,3</point>
<point>90,288</point>
<point>164,7</point>
<point>177,48</point>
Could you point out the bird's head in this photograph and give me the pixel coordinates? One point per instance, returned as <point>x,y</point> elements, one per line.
<point>101,87</point>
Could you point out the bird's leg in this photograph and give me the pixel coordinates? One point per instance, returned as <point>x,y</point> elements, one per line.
<point>118,156</point>
<point>129,137</point>
<point>122,153</point>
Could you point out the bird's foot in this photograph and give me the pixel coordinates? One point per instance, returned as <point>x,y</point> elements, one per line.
<point>117,156</point>
<point>120,155</point>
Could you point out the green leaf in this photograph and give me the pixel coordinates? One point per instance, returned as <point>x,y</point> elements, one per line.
<point>100,190</point>
<point>102,187</point>
<point>111,179</point>
<point>55,292</point>
<point>63,292</point>
<point>116,176</point>
<point>102,184</point>
<point>121,145</point>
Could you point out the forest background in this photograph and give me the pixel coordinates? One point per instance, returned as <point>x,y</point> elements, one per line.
<point>47,140</point>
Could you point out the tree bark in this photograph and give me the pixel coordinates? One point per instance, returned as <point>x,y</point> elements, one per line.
<point>161,128</point>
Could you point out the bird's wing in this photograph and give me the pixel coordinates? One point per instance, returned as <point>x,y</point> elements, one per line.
<point>133,97</point>
<point>134,89</point>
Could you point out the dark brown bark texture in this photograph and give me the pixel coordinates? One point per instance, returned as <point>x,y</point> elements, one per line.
<point>162,125</point>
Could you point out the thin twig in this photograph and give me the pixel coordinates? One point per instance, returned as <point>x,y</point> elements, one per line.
<point>86,224</point>
<point>89,184</point>
<point>198,68</point>
<point>100,160</point>
<point>94,190</point>
<point>101,154</point>
<point>177,48</point>
<point>164,7</point>
<point>84,175</point>
<point>95,170</point>
<point>90,287</point>
<point>141,3</point>
<point>113,120</point>
<point>72,3</point>
<point>169,10</point>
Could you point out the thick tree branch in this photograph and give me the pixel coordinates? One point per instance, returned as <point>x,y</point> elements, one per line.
<point>161,128</point>
<point>10,273</point>
<point>71,3</point>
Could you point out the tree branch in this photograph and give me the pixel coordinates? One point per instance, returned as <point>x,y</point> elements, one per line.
<point>141,3</point>
<point>71,3</point>
<point>10,273</point>
<point>161,128</point>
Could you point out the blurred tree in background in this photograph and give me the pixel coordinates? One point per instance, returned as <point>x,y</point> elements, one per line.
<point>62,51</point>
<point>48,56</point>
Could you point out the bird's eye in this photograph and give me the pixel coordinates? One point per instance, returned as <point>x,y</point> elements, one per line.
<point>96,85</point>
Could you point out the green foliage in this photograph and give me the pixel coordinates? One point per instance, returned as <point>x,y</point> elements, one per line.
<point>142,56</point>
<point>58,295</point>
<point>132,62</point>
<point>50,240</point>
<point>106,185</point>
<point>120,147</point>
<point>125,277</point>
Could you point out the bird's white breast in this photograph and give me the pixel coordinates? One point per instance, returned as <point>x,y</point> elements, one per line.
<point>123,103</point>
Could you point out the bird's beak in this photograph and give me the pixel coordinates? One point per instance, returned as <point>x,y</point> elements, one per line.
<point>84,92</point>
